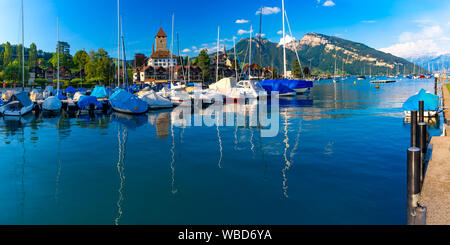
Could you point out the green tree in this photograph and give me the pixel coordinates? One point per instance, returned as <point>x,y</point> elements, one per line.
<point>1,59</point>
<point>7,55</point>
<point>307,71</point>
<point>80,59</point>
<point>100,66</point>
<point>203,61</point>
<point>64,60</point>
<point>32,55</point>
<point>296,70</point>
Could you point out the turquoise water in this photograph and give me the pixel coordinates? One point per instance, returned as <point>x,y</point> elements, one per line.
<point>339,158</point>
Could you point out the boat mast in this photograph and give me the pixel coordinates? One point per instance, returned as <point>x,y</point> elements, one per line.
<point>284,41</point>
<point>235,59</point>
<point>123,53</point>
<point>23,51</point>
<point>171,54</point>
<point>250,54</point>
<point>217,54</point>
<point>57,51</point>
<point>260,44</point>
<point>118,43</point>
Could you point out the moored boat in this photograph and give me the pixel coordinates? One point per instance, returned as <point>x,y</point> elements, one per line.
<point>125,102</point>
<point>431,104</point>
<point>18,105</point>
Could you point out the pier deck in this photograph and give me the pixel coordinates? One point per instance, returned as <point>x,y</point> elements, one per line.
<point>436,187</point>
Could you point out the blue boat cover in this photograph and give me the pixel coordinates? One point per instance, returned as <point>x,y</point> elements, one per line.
<point>431,102</point>
<point>85,101</point>
<point>275,86</point>
<point>59,94</point>
<point>99,92</point>
<point>71,90</point>
<point>81,90</point>
<point>288,83</point>
<point>125,101</point>
<point>22,97</point>
<point>1,102</point>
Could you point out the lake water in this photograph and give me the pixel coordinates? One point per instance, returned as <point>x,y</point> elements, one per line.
<point>339,158</point>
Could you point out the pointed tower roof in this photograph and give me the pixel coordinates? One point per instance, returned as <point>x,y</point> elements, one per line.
<point>161,33</point>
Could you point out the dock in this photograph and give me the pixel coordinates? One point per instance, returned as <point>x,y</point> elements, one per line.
<point>383,81</point>
<point>436,186</point>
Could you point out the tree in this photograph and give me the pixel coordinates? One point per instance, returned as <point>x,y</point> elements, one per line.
<point>64,60</point>
<point>296,71</point>
<point>1,60</point>
<point>100,66</point>
<point>7,55</point>
<point>306,71</point>
<point>203,61</point>
<point>19,53</point>
<point>80,59</point>
<point>32,55</point>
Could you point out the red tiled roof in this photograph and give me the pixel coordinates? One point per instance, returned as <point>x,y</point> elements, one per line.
<point>162,55</point>
<point>161,33</point>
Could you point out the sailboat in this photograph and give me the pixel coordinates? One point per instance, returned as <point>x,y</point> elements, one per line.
<point>122,100</point>
<point>53,104</point>
<point>230,88</point>
<point>335,79</point>
<point>285,86</point>
<point>19,104</point>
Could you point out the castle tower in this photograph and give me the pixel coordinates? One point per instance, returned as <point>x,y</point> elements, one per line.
<point>161,41</point>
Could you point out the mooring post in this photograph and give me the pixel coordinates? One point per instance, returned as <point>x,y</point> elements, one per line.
<point>423,141</point>
<point>421,111</point>
<point>412,183</point>
<point>413,128</point>
<point>436,86</point>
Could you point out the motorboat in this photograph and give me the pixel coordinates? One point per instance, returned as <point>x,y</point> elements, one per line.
<point>154,100</point>
<point>18,105</point>
<point>431,104</point>
<point>125,102</point>
<point>88,103</point>
<point>52,105</point>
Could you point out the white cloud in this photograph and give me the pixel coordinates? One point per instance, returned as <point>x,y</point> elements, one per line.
<point>262,35</point>
<point>368,21</point>
<point>430,39</point>
<point>287,39</point>
<point>242,21</point>
<point>280,32</point>
<point>186,50</point>
<point>269,10</point>
<point>329,3</point>
<point>242,32</point>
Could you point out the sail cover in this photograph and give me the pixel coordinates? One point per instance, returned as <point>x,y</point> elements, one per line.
<point>85,101</point>
<point>127,102</point>
<point>99,92</point>
<point>431,102</point>
<point>23,99</point>
<point>71,90</point>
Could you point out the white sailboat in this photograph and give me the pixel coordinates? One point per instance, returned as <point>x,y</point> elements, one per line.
<point>53,104</point>
<point>19,104</point>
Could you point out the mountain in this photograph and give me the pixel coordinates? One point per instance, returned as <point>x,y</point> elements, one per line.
<point>320,51</point>
<point>434,63</point>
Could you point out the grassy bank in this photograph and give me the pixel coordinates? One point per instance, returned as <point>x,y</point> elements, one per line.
<point>448,86</point>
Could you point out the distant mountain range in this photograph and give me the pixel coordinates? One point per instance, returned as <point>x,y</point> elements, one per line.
<point>320,51</point>
<point>436,62</point>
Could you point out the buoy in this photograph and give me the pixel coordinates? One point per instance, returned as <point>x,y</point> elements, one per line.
<point>378,86</point>
<point>354,82</point>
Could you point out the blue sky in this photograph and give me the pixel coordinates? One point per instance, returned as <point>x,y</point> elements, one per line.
<point>402,27</point>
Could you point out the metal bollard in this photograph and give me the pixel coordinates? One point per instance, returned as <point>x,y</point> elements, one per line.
<point>412,183</point>
<point>423,137</point>
<point>413,128</point>
<point>421,111</point>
